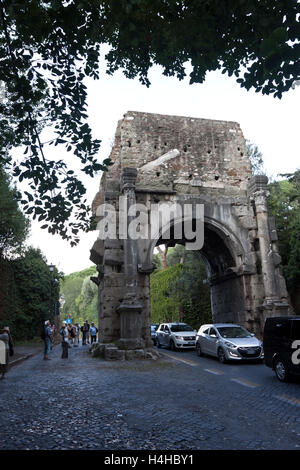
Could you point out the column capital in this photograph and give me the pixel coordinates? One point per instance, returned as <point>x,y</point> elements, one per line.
<point>257,184</point>
<point>260,199</point>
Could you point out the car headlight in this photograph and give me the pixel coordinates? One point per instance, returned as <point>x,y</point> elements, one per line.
<point>179,337</point>
<point>230,345</point>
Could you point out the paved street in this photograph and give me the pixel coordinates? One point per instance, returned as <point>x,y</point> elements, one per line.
<point>180,402</point>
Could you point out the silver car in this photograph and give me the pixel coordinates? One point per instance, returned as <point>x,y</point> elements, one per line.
<point>176,336</point>
<point>228,341</point>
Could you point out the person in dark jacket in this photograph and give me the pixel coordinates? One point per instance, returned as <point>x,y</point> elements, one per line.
<point>85,332</point>
<point>47,340</point>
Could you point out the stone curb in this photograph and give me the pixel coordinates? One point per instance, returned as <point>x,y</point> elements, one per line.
<point>25,357</point>
<point>20,359</point>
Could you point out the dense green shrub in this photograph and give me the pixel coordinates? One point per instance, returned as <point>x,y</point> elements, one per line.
<point>182,287</point>
<point>81,296</point>
<point>27,294</point>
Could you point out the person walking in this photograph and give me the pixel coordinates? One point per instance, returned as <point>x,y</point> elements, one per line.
<point>65,341</point>
<point>93,331</point>
<point>4,351</point>
<point>85,331</point>
<point>47,340</point>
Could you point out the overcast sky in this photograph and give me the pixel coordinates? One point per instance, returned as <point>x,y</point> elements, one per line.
<point>270,123</point>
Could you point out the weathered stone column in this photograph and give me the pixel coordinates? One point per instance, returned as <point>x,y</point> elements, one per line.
<point>130,308</point>
<point>259,193</point>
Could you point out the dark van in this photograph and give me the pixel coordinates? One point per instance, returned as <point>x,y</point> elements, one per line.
<point>281,343</point>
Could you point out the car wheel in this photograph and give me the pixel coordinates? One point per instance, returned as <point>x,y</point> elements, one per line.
<point>172,345</point>
<point>281,370</point>
<point>221,355</point>
<point>198,350</point>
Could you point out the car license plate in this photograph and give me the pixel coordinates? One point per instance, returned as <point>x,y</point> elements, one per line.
<point>250,351</point>
<point>191,343</point>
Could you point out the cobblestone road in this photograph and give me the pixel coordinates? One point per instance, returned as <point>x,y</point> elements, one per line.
<point>86,403</point>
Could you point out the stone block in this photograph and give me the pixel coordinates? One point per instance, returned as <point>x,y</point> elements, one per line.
<point>240,211</point>
<point>113,257</point>
<point>98,350</point>
<point>249,222</point>
<point>121,355</point>
<point>111,353</point>
<point>152,355</point>
<point>133,354</point>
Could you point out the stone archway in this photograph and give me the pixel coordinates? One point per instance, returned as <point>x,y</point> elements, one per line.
<point>185,161</point>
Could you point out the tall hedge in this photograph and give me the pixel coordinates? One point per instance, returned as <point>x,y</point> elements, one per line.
<point>27,294</point>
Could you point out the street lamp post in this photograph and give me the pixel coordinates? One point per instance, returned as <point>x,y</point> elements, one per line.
<point>54,308</point>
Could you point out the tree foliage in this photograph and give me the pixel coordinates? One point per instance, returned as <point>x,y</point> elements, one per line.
<point>284,203</point>
<point>13,224</point>
<point>48,48</point>
<point>81,296</point>
<point>26,295</point>
<point>164,306</point>
<point>256,159</point>
<point>182,287</point>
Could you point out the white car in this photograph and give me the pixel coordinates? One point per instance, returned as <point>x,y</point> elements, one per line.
<point>175,336</point>
<point>228,341</point>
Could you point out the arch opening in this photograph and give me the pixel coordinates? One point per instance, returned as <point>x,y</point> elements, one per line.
<point>220,260</point>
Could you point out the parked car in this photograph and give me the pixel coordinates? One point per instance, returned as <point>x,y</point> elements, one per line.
<point>281,340</point>
<point>175,336</point>
<point>228,341</point>
<point>153,332</point>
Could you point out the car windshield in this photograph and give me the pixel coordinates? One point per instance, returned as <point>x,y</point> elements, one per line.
<point>181,327</point>
<point>154,327</point>
<point>233,332</point>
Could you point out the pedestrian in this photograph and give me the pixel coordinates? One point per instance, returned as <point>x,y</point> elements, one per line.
<point>53,329</point>
<point>64,341</point>
<point>88,332</point>
<point>71,333</point>
<point>85,331</point>
<point>6,347</point>
<point>47,339</point>
<point>76,331</point>
<point>93,331</point>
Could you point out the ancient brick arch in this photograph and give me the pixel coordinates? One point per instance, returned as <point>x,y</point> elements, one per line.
<point>185,161</point>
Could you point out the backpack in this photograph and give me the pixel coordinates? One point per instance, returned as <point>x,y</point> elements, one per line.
<point>72,333</point>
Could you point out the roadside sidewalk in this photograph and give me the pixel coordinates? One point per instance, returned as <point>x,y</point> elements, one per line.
<point>25,351</point>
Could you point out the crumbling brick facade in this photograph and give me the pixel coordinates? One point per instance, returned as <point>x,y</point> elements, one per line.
<point>160,158</point>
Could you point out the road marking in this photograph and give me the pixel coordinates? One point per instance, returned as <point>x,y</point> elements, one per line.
<point>245,382</point>
<point>287,399</point>
<point>186,361</point>
<point>214,371</point>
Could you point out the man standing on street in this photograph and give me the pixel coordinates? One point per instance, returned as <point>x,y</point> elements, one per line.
<point>93,331</point>
<point>47,339</point>
<point>65,340</point>
<point>85,332</point>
